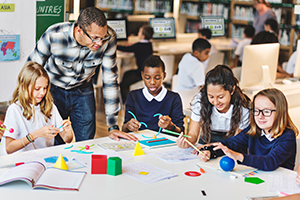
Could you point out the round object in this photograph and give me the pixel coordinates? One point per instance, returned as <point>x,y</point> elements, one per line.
<point>154,136</point>
<point>87,147</point>
<point>192,173</point>
<point>11,130</point>
<point>227,164</point>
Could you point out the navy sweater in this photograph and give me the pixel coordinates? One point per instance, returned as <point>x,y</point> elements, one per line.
<point>141,52</point>
<point>144,110</point>
<point>263,154</point>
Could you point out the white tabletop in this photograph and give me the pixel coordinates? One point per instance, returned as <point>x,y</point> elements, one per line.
<point>216,184</point>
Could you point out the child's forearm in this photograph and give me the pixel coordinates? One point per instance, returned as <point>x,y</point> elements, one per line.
<point>13,145</point>
<point>298,169</point>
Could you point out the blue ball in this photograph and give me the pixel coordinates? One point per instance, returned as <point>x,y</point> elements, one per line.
<point>227,164</point>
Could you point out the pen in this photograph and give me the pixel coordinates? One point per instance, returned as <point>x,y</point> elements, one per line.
<point>195,147</point>
<point>12,165</point>
<point>174,133</point>
<point>156,140</point>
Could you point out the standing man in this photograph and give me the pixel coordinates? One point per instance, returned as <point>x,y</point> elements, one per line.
<point>71,52</point>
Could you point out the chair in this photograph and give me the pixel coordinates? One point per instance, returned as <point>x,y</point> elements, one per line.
<point>169,61</point>
<point>174,81</point>
<point>214,60</point>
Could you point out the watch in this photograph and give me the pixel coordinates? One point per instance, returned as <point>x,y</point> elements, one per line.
<point>173,127</point>
<point>114,127</point>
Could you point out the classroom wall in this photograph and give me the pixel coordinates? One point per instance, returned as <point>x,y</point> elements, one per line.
<point>22,21</point>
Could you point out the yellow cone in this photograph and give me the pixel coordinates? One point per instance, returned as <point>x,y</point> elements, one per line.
<point>61,163</point>
<point>138,150</point>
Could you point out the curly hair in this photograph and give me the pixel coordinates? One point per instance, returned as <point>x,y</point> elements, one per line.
<point>223,76</point>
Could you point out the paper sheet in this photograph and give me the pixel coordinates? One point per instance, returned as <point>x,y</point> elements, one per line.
<point>154,173</point>
<point>176,155</point>
<point>283,183</point>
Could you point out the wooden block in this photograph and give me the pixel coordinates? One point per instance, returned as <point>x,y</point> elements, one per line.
<point>98,164</point>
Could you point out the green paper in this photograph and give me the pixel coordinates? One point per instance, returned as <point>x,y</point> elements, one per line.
<point>254,180</point>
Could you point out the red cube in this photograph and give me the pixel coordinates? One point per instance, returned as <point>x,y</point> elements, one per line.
<point>98,164</point>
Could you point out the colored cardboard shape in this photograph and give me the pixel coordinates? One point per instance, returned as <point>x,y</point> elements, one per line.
<point>114,166</point>
<point>98,164</point>
<point>138,150</point>
<point>254,180</point>
<point>61,163</point>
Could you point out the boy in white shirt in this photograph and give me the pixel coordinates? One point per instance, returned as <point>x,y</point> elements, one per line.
<point>191,71</point>
<point>248,34</point>
<point>206,33</point>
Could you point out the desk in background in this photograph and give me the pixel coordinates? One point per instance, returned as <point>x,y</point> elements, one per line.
<point>217,185</point>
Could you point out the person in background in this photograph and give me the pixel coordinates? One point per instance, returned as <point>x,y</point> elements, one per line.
<point>71,53</point>
<point>191,71</point>
<point>32,114</point>
<point>1,130</point>
<point>290,68</point>
<point>265,37</point>
<point>270,138</point>
<point>206,33</point>
<point>263,12</point>
<point>272,26</point>
<point>153,99</point>
<point>248,35</point>
<point>142,50</point>
<point>219,111</point>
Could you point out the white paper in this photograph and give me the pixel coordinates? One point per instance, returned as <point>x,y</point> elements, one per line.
<point>176,155</point>
<point>154,173</point>
<point>283,183</point>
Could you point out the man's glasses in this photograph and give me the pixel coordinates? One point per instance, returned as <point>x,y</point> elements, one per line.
<point>106,37</point>
<point>265,112</point>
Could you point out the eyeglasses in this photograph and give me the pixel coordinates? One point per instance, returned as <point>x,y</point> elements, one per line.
<point>106,37</point>
<point>265,112</point>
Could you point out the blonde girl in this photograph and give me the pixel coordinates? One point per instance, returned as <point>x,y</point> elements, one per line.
<point>32,114</point>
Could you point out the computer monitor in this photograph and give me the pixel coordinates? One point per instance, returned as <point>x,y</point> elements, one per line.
<point>120,27</point>
<point>215,24</point>
<point>297,63</point>
<point>254,57</point>
<point>164,28</point>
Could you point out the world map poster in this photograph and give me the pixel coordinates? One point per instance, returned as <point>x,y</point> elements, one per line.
<point>9,47</point>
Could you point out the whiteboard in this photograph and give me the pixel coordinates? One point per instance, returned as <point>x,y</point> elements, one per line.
<point>22,21</point>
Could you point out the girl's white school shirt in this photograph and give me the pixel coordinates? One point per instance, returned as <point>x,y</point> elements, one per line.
<point>14,119</point>
<point>219,121</point>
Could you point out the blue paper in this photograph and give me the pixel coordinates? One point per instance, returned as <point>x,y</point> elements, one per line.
<point>157,144</point>
<point>53,159</point>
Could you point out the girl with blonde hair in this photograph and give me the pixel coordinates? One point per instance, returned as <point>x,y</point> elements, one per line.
<point>32,114</point>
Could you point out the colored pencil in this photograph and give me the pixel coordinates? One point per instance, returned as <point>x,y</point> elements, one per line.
<point>174,133</point>
<point>195,148</point>
<point>156,140</point>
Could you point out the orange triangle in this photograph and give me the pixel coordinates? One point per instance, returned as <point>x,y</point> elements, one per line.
<point>138,150</point>
<point>61,163</point>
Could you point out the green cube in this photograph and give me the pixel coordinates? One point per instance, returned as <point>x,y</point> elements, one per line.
<point>114,166</point>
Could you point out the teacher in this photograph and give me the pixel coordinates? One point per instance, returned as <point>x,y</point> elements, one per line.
<point>70,53</point>
<point>263,12</point>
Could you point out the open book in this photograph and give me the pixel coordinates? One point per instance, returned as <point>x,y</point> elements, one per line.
<point>36,175</point>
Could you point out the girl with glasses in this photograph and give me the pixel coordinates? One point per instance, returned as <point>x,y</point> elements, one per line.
<point>271,137</point>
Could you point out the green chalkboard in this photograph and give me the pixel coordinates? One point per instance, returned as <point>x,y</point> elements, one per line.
<point>48,12</point>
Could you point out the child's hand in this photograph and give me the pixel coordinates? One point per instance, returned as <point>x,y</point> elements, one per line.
<point>228,152</point>
<point>133,125</point>
<point>66,126</point>
<point>165,122</point>
<point>2,131</point>
<point>67,133</point>
<point>204,156</point>
<point>181,143</point>
<point>45,132</point>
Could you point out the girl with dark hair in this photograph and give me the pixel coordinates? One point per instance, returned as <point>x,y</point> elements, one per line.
<point>219,111</point>
<point>271,138</point>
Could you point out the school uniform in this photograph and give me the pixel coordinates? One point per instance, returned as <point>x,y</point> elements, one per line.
<point>266,153</point>
<point>239,51</point>
<point>220,122</point>
<point>191,73</point>
<point>145,106</point>
<point>14,119</point>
